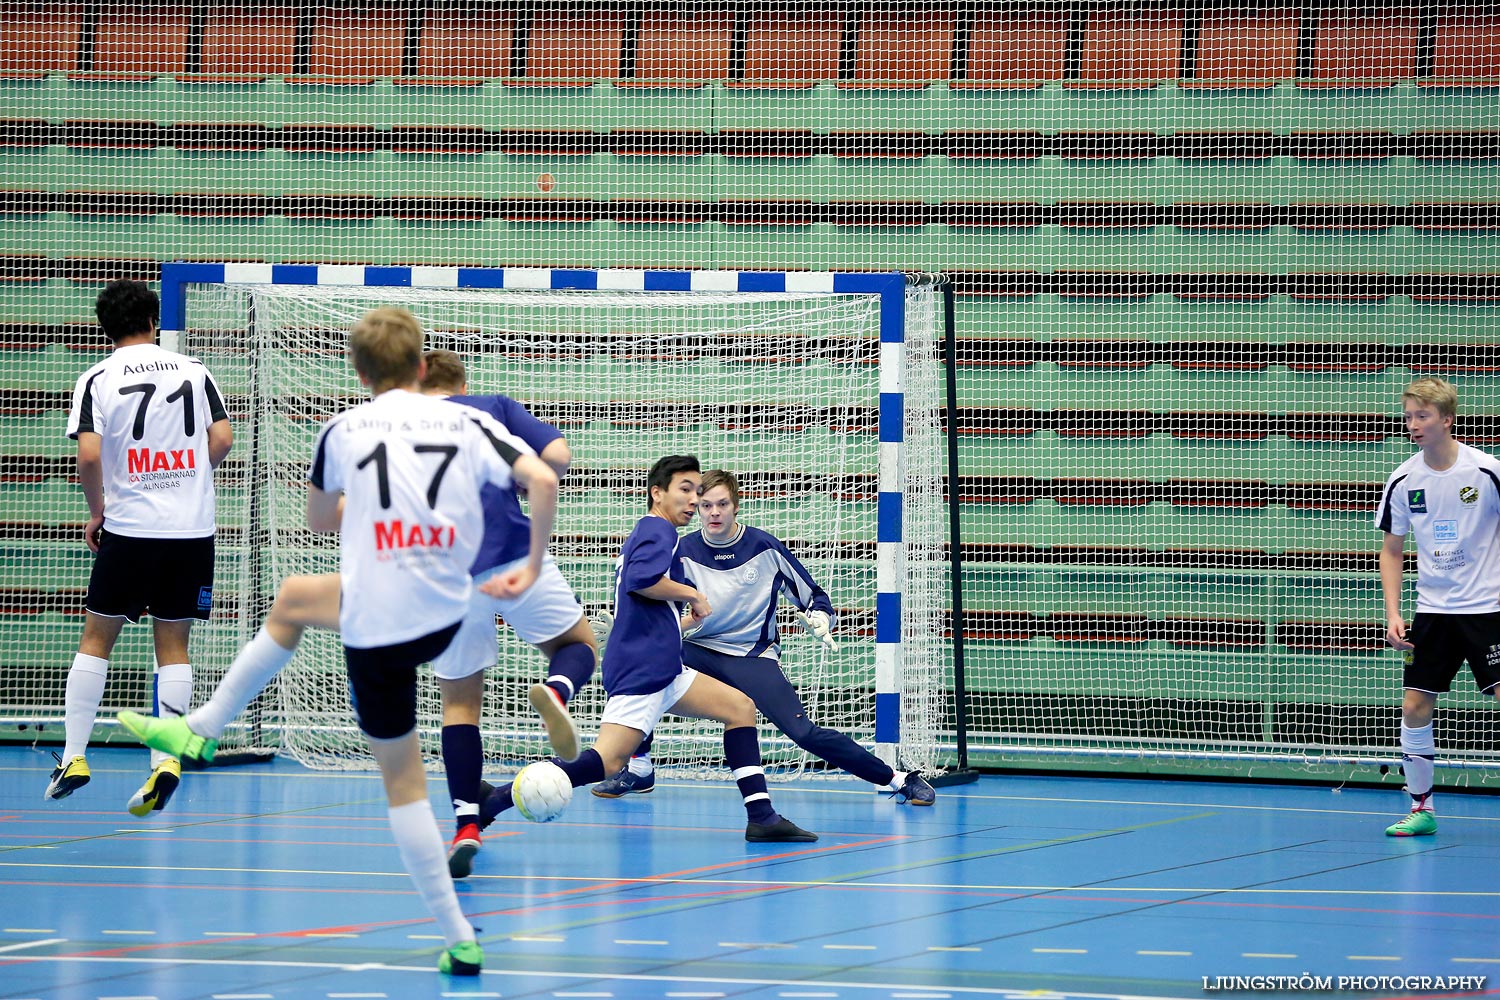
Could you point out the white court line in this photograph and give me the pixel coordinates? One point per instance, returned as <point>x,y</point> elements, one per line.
<point>424,970</point>
<point>1265,954</point>
<point>140,933</point>
<point>1163,953</point>
<point>754,944</point>
<point>1373,958</point>
<point>639,941</point>
<point>940,947</point>
<point>228,933</point>
<point>242,996</point>
<point>614,880</point>
<point>30,930</point>
<point>849,947</point>
<point>31,944</point>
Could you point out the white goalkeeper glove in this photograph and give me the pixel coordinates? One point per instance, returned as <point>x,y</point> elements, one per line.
<point>602,623</point>
<point>817,624</point>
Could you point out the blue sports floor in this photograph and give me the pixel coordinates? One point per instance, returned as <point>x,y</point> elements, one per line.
<point>271,882</point>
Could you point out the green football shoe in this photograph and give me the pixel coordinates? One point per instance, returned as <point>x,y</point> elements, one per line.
<point>170,736</point>
<point>1417,823</point>
<point>464,959</point>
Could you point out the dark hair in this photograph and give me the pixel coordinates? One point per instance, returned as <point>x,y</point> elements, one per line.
<point>666,468</point>
<point>445,371</point>
<point>126,308</point>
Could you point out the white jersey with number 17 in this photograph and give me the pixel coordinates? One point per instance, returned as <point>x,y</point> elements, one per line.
<point>152,409</point>
<point>410,468</point>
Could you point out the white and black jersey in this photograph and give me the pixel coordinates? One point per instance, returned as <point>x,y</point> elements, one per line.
<point>410,468</point>
<point>152,408</point>
<point>1455,516</point>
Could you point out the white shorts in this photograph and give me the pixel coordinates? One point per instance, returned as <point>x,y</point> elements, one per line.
<point>643,711</point>
<point>545,611</point>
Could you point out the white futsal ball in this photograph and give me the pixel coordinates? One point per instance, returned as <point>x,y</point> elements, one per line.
<point>542,791</point>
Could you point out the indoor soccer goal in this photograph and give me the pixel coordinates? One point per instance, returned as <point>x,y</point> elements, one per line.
<point>820,391</point>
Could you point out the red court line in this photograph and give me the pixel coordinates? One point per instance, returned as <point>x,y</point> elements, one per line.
<point>727,865</point>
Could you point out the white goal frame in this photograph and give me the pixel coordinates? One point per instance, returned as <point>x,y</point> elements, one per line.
<point>890,287</point>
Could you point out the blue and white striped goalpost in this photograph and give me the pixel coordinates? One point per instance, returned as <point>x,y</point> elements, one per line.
<point>891,546</point>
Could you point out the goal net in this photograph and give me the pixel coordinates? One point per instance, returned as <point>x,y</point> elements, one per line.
<point>786,389</point>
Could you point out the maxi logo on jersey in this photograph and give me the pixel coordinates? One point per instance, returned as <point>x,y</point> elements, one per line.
<point>391,535</point>
<point>140,460</point>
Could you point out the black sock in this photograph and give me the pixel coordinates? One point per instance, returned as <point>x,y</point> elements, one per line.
<point>742,752</point>
<point>463,760</point>
<point>570,670</point>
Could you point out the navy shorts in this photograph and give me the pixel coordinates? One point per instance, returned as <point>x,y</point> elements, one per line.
<point>383,682</point>
<point>169,578</point>
<point>1444,642</point>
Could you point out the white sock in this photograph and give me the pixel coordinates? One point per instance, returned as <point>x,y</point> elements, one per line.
<point>640,766</point>
<point>897,780</point>
<point>174,693</point>
<point>426,859</point>
<point>260,660</point>
<point>1417,751</point>
<point>81,705</point>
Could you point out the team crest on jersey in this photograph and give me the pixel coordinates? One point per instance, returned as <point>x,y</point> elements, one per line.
<point>1469,495</point>
<point>751,574</point>
<point>1417,501</point>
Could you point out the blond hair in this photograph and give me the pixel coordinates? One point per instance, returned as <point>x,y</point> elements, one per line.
<point>445,372</point>
<point>720,477</point>
<point>1434,392</point>
<point>385,347</point>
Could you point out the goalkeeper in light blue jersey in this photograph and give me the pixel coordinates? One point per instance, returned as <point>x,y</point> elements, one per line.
<point>744,571</point>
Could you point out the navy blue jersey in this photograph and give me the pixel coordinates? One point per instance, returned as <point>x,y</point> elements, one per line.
<point>743,580</point>
<point>507,531</point>
<point>644,653</point>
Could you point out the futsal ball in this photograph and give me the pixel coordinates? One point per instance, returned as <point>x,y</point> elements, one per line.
<point>542,791</point>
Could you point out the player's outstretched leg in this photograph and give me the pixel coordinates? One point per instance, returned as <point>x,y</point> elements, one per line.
<point>171,736</point>
<point>779,702</point>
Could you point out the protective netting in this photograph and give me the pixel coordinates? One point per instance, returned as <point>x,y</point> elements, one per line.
<point>781,389</point>
<point>1198,250</point>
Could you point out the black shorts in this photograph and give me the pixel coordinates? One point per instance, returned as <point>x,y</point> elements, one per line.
<point>171,579</point>
<point>1444,642</point>
<point>383,682</point>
